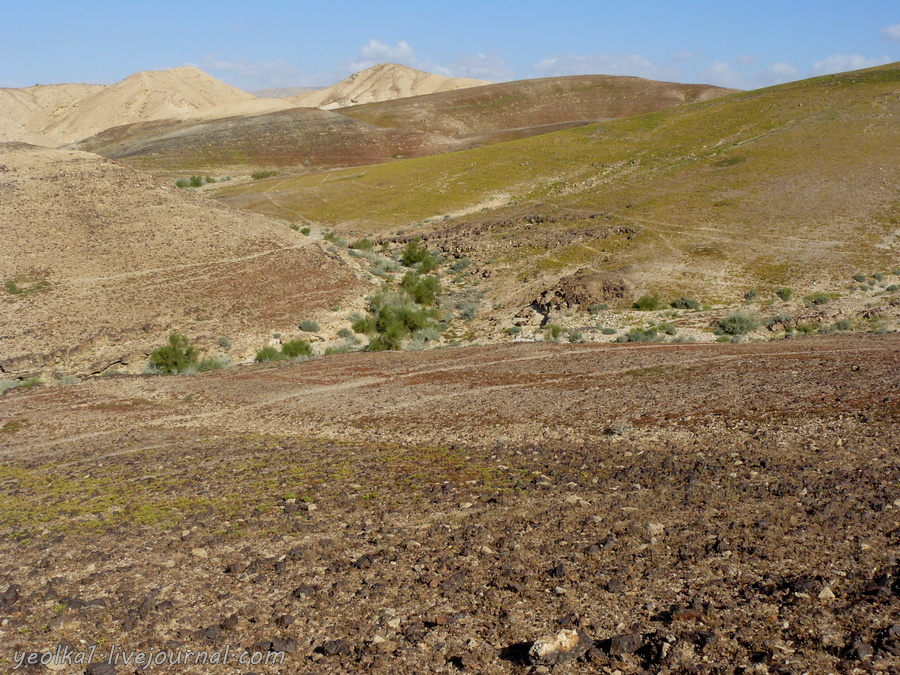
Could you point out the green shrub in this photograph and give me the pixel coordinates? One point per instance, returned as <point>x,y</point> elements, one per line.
<point>460,265</point>
<point>305,231</point>
<point>394,318</point>
<point>750,295</point>
<point>859,278</point>
<point>467,309</point>
<point>30,382</point>
<point>513,330</point>
<point>296,348</point>
<point>365,325</point>
<point>224,343</point>
<point>335,239</point>
<point>817,299</point>
<point>309,326</point>
<point>362,245</point>
<point>597,307</point>
<point>345,333</point>
<point>211,363</point>
<point>178,356</point>
<point>785,293</point>
<point>269,353</point>
<point>639,335</point>
<point>259,175</point>
<point>737,324</point>
<point>419,257</point>
<point>777,319</point>
<point>878,276</point>
<point>182,183</point>
<point>667,328</point>
<point>26,285</point>
<point>685,303</point>
<point>424,290</point>
<point>844,324</point>
<point>608,331</point>
<point>196,181</point>
<point>575,336</point>
<point>340,349</point>
<point>893,287</point>
<point>807,328</point>
<point>684,339</point>
<point>649,303</point>
<point>553,332</point>
<point>429,333</point>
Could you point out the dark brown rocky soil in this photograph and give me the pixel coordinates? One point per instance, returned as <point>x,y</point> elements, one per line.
<point>680,508</point>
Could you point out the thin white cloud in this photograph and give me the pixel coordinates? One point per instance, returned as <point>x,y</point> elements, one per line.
<point>378,52</point>
<point>748,59</point>
<point>683,56</point>
<point>602,64</point>
<point>480,66</point>
<point>839,63</point>
<point>777,73</point>
<point>252,75</point>
<point>891,33</point>
<point>722,74</point>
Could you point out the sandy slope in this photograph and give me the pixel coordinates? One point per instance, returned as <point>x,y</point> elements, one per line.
<point>23,112</point>
<point>383,82</point>
<point>59,114</point>
<point>106,263</point>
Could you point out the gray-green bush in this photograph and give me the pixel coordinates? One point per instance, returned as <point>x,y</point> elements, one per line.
<point>737,324</point>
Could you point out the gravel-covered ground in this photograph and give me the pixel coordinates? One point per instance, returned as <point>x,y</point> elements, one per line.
<point>684,508</point>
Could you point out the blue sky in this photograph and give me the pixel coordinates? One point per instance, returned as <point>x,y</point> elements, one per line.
<point>275,43</point>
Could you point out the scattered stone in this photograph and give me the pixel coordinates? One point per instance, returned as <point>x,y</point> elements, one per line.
<point>566,645</point>
<point>284,620</point>
<point>615,586</point>
<point>289,646</point>
<point>335,648</point>
<point>199,553</point>
<point>626,643</point>
<point>100,669</point>
<point>304,590</point>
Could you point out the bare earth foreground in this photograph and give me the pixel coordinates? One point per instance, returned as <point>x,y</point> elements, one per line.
<point>687,508</point>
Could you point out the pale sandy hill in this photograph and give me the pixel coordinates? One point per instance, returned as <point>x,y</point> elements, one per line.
<point>23,111</point>
<point>384,82</point>
<point>100,263</point>
<point>150,95</point>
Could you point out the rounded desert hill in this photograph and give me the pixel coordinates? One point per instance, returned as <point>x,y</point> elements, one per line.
<point>383,82</point>
<point>149,95</point>
<point>100,263</point>
<point>23,111</point>
<point>59,114</point>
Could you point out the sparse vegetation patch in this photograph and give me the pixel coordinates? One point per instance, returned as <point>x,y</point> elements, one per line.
<point>737,324</point>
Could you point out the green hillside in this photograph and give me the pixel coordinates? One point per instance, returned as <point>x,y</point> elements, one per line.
<point>794,184</point>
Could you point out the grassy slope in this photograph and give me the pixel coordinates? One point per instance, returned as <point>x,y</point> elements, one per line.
<point>299,137</point>
<point>410,127</point>
<point>529,104</point>
<point>794,184</point>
